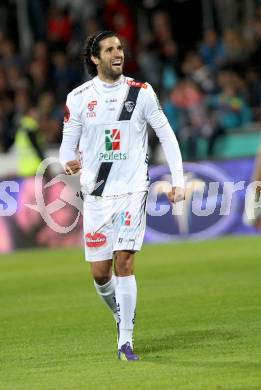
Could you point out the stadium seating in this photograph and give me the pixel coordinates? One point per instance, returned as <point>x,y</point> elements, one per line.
<point>233,145</point>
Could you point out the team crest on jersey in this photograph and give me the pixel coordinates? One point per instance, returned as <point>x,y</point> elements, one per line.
<point>129,105</point>
<point>91,106</point>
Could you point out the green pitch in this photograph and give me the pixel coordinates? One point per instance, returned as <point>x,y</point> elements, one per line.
<point>198,320</point>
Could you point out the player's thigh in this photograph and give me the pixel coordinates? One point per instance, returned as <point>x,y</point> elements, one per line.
<point>98,229</point>
<point>130,222</point>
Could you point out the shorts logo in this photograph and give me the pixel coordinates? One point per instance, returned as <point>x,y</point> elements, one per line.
<point>129,105</point>
<point>125,218</point>
<point>95,240</point>
<point>91,105</point>
<point>112,140</point>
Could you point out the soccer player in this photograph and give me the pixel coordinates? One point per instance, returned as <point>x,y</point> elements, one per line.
<point>106,121</point>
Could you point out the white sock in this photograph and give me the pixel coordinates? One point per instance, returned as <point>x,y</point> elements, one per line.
<point>126,296</point>
<point>107,293</point>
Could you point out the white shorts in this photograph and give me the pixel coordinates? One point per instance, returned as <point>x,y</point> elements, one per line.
<point>113,223</point>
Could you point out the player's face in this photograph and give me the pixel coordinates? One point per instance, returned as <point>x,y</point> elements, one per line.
<point>111,60</point>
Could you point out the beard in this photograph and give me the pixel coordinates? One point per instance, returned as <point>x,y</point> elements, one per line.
<point>112,74</point>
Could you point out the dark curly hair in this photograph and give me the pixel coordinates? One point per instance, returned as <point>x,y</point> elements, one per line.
<point>92,48</point>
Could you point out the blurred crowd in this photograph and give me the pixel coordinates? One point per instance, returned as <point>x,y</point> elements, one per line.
<point>203,61</point>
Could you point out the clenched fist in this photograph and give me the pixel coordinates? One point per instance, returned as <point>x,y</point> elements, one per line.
<point>176,195</point>
<point>72,167</point>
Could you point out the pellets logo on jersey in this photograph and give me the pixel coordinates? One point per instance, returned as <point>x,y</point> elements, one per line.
<point>95,240</point>
<point>91,105</point>
<point>112,139</point>
<point>112,146</point>
<point>125,218</point>
<point>66,114</point>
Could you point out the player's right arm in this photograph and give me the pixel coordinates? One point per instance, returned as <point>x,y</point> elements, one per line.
<point>72,129</point>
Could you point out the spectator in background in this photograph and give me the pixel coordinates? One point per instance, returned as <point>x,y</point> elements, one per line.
<point>256,31</point>
<point>236,52</point>
<point>168,51</point>
<point>195,114</point>
<point>159,55</point>
<point>170,65</point>
<point>22,103</point>
<point>37,16</point>
<point>64,75</point>
<point>39,78</point>
<point>11,80</point>
<point>59,28</point>
<point>227,76</point>
<point>150,64</point>
<point>7,125</point>
<point>228,111</point>
<point>161,27</point>
<point>41,53</point>
<point>212,50</point>
<point>13,105</point>
<point>54,64</point>
<point>50,117</point>
<point>226,14</point>
<point>15,78</point>
<point>8,55</point>
<point>185,108</point>
<point>80,10</point>
<point>118,17</point>
<point>194,69</point>
<point>254,91</point>
<point>3,80</point>
<point>28,143</point>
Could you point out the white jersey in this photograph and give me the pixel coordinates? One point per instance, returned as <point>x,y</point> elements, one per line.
<point>107,123</point>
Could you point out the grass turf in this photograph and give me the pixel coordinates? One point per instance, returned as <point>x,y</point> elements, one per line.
<point>198,323</point>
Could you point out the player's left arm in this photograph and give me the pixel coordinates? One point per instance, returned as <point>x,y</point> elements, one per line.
<point>159,122</point>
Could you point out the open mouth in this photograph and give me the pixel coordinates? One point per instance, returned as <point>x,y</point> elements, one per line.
<point>117,64</point>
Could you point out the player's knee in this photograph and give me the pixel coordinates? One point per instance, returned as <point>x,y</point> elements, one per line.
<point>124,263</point>
<point>101,273</point>
<point>101,279</point>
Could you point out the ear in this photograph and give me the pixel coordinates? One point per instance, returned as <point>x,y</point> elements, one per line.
<point>95,60</point>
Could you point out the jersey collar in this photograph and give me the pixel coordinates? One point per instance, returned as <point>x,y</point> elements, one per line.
<point>107,87</point>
